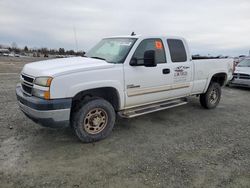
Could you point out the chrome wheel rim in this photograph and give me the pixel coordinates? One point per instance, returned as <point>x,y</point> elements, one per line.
<point>214,95</point>
<point>95,121</point>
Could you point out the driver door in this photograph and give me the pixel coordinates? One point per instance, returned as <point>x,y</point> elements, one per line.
<point>147,84</point>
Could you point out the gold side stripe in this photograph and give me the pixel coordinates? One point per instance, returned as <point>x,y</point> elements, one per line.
<point>135,91</point>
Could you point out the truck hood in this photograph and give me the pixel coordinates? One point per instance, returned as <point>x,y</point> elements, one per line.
<point>56,67</point>
<point>243,70</point>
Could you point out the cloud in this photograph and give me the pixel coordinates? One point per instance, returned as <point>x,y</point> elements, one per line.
<point>210,26</point>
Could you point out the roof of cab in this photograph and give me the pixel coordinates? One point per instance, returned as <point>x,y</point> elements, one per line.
<point>145,36</point>
<point>124,36</point>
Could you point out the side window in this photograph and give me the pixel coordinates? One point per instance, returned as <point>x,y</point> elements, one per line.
<point>150,44</point>
<point>177,50</point>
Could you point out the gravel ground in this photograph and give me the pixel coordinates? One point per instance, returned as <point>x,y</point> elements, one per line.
<point>186,146</point>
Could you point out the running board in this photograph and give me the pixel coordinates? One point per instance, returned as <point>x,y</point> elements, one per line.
<point>138,111</point>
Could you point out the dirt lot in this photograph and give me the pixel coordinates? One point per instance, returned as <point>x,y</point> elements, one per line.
<point>182,147</point>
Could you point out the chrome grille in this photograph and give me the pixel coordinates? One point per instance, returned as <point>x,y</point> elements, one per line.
<point>27,78</point>
<point>27,84</point>
<point>241,76</point>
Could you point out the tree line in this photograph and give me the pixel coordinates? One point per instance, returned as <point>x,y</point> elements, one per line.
<point>43,51</point>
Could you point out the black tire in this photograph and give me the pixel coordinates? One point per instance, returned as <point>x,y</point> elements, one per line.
<point>211,98</point>
<point>96,110</point>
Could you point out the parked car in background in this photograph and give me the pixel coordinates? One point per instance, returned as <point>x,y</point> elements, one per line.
<point>11,54</point>
<point>17,55</point>
<point>241,75</point>
<point>5,54</point>
<point>36,54</point>
<point>236,60</point>
<point>4,51</point>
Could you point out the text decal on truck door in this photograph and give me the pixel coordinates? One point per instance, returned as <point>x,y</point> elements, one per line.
<point>180,73</point>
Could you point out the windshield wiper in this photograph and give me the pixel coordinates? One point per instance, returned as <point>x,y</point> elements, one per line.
<point>98,58</point>
<point>95,57</point>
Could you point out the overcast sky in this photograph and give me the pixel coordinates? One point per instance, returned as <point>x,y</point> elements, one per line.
<point>210,26</point>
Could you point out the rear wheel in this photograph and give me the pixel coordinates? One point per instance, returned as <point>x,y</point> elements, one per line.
<point>94,120</point>
<point>212,97</point>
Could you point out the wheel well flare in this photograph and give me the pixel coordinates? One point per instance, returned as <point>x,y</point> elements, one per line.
<point>108,93</point>
<point>219,78</point>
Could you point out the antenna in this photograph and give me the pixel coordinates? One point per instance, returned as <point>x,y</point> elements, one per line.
<point>76,43</point>
<point>133,33</point>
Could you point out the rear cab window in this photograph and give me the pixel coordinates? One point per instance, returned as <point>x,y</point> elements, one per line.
<point>177,50</point>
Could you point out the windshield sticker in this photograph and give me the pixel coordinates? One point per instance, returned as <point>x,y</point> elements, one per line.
<point>180,73</point>
<point>158,45</point>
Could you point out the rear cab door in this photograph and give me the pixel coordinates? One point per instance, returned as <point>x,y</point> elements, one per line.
<point>181,66</point>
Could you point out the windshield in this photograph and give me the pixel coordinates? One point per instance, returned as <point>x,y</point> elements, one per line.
<point>112,50</point>
<point>244,63</point>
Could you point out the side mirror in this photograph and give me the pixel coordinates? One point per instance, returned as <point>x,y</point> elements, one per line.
<point>133,62</point>
<point>149,58</point>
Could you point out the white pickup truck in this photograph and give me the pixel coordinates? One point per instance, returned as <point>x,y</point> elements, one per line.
<point>126,75</point>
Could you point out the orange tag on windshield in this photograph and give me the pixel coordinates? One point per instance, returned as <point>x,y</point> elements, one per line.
<point>158,45</point>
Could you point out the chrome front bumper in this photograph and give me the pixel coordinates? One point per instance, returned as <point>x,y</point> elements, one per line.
<point>49,113</point>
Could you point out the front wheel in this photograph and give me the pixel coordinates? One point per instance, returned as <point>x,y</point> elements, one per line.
<point>94,120</point>
<point>211,98</point>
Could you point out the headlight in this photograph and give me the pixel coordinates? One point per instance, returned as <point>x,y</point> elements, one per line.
<point>41,87</point>
<point>43,81</point>
<point>41,94</point>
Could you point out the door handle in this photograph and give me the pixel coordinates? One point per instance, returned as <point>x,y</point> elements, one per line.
<point>165,71</point>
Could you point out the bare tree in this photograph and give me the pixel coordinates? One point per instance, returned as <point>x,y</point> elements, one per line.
<point>14,45</point>
<point>61,51</point>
